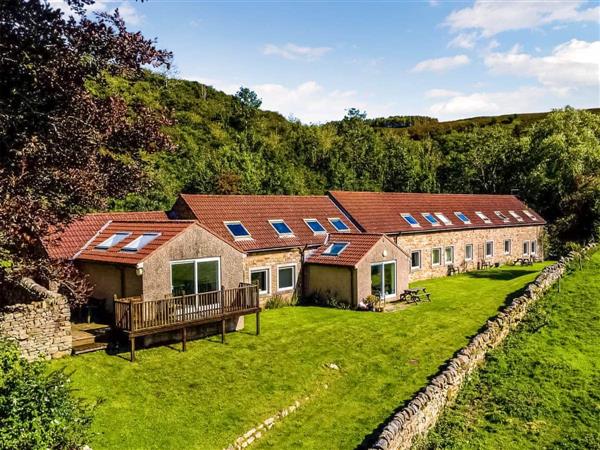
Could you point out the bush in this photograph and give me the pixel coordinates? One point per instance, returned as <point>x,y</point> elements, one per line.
<point>275,302</point>
<point>37,409</point>
<point>326,299</point>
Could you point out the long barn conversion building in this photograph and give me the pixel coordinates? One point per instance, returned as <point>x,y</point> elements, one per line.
<point>348,245</point>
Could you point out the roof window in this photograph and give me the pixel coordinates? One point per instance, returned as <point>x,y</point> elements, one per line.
<point>443,218</point>
<point>530,215</point>
<point>462,217</point>
<point>431,219</point>
<point>338,224</point>
<point>410,220</point>
<point>140,242</point>
<point>282,228</point>
<point>315,226</point>
<point>238,230</point>
<point>113,240</point>
<point>335,249</point>
<point>516,216</point>
<point>502,216</point>
<point>483,217</point>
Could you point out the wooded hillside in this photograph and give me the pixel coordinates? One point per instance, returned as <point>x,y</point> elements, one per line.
<point>226,144</point>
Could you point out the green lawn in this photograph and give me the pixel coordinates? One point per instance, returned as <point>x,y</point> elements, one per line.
<point>542,388</point>
<point>206,397</point>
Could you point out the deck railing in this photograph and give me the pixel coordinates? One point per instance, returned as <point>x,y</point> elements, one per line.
<point>137,315</point>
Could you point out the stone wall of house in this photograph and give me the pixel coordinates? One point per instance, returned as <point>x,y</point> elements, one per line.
<point>271,261</point>
<point>423,411</point>
<point>37,319</point>
<point>459,239</point>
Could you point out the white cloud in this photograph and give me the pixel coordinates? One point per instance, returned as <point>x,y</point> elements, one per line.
<point>492,17</point>
<point>309,101</point>
<point>295,52</point>
<point>441,64</point>
<point>489,103</point>
<point>441,93</point>
<point>128,12</point>
<point>571,64</point>
<point>463,40</point>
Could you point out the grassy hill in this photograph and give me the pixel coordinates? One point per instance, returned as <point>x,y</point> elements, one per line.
<point>542,388</point>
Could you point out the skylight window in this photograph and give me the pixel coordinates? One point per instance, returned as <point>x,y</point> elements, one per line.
<point>238,230</point>
<point>516,216</point>
<point>113,240</point>
<point>335,249</point>
<point>530,215</point>
<point>315,226</point>
<point>483,217</point>
<point>431,219</point>
<point>282,228</point>
<point>338,224</point>
<point>410,220</point>
<point>462,217</point>
<point>140,242</point>
<point>502,216</point>
<point>443,218</point>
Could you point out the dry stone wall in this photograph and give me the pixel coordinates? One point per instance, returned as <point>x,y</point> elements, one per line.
<point>38,320</point>
<point>423,411</point>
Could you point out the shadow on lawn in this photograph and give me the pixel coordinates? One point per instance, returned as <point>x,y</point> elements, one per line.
<point>371,438</point>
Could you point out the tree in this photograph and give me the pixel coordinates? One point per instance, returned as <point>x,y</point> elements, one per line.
<point>66,145</point>
<point>248,98</point>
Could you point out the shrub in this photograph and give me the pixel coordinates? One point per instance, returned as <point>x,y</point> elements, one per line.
<point>275,302</point>
<point>326,299</point>
<point>37,409</point>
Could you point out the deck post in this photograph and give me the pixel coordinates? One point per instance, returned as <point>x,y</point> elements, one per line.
<point>257,322</point>
<point>222,331</point>
<point>132,346</point>
<point>183,338</point>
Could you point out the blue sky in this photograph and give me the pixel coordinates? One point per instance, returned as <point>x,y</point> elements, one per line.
<point>450,60</point>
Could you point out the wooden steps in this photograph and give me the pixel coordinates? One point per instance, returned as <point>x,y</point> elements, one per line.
<point>89,337</point>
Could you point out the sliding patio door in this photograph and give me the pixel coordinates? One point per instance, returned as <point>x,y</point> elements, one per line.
<point>195,276</point>
<point>383,279</point>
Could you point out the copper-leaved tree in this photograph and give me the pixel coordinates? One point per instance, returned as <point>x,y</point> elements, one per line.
<point>63,149</point>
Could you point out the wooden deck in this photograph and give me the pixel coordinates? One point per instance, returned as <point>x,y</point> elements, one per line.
<point>137,316</point>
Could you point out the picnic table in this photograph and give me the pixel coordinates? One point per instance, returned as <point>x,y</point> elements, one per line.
<point>526,261</point>
<point>485,265</point>
<point>414,295</point>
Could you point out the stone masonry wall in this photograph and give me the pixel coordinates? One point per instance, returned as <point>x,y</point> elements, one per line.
<point>423,411</point>
<point>38,320</point>
<point>426,242</point>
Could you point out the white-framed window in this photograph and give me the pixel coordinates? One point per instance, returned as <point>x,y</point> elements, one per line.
<point>483,217</point>
<point>534,247</point>
<point>436,256</point>
<point>415,259</point>
<point>507,246</point>
<point>140,242</point>
<point>281,228</point>
<point>489,249</point>
<point>530,215</point>
<point>315,226</point>
<point>195,276</point>
<point>501,216</point>
<point>383,279</point>
<point>335,248</point>
<point>469,252</point>
<point>443,218</point>
<point>449,255</point>
<point>462,217</point>
<point>338,224</point>
<point>431,219</point>
<point>411,220</point>
<point>261,277</point>
<point>516,216</point>
<point>113,240</point>
<point>526,248</point>
<point>286,277</point>
<point>237,230</point>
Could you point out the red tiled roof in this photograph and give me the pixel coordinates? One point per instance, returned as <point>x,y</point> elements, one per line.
<point>67,243</point>
<point>255,211</point>
<point>380,212</point>
<point>167,229</point>
<point>359,244</point>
